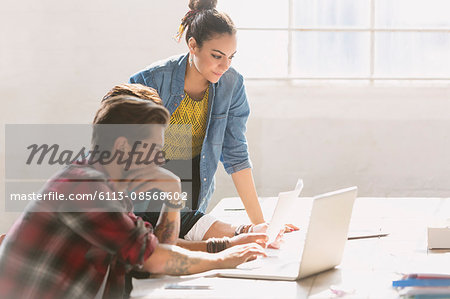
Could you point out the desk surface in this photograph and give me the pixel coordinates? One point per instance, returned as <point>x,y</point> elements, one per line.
<point>368,266</point>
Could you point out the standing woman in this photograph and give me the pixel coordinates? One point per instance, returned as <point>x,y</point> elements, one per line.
<point>201,89</point>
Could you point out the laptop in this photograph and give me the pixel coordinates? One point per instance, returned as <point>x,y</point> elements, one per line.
<point>316,248</point>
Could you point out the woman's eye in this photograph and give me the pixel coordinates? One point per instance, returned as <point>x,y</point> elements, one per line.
<point>216,56</point>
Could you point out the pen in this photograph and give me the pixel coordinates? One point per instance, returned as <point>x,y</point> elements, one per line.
<point>368,236</point>
<point>175,286</point>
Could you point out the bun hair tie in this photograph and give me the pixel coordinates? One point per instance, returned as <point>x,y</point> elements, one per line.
<point>185,21</point>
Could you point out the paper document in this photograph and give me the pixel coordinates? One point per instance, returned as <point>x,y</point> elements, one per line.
<point>282,211</point>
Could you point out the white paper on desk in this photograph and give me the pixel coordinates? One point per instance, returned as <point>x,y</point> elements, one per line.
<point>152,287</point>
<point>283,211</point>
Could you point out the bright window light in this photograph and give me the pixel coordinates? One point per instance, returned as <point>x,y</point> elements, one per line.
<point>373,40</point>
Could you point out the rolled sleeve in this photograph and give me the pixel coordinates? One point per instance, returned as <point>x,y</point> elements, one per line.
<point>238,167</point>
<point>235,155</point>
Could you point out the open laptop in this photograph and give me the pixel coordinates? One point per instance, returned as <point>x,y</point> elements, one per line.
<point>311,250</point>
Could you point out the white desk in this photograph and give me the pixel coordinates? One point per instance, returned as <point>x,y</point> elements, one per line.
<point>368,266</point>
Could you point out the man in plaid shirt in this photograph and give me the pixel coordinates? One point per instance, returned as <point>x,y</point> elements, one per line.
<point>53,253</point>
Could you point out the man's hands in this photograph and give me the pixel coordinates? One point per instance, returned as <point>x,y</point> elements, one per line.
<point>236,255</point>
<point>174,260</point>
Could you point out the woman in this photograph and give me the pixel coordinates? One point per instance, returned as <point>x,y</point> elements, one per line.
<point>201,89</point>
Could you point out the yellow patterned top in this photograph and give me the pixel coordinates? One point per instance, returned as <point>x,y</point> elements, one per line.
<point>179,138</point>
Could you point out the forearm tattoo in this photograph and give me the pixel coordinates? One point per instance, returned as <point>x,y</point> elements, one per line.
<point>180,264</point>
<point>166,230</point>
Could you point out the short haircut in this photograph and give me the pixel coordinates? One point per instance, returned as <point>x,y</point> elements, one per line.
<point>117,108</point>
<point>135,90</point>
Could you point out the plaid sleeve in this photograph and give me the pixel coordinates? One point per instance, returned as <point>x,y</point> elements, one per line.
<point>118,233</point>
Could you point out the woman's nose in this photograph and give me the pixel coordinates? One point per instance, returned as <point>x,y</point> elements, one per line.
<point>225,64</point>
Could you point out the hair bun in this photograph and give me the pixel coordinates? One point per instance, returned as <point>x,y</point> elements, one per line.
<point>202,4</point>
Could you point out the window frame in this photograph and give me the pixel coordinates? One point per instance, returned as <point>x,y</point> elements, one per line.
<point>372,30</point>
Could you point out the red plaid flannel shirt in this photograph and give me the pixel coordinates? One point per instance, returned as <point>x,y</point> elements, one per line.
<point>67,254</point>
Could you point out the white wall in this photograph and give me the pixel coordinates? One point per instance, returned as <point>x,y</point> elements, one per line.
<point>388,141</point>
<point>58,58</point>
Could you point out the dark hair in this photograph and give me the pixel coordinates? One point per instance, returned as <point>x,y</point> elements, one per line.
<point>203,21</point>
<point>125,109</point>
<point>135,90</point>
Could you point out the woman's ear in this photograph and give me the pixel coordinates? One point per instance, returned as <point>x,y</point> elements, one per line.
<point>192,44</point>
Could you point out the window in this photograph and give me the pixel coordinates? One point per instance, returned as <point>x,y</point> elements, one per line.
<point>342,39</point>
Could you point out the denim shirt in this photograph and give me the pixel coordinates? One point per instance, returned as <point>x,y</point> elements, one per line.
<point>228,111</point>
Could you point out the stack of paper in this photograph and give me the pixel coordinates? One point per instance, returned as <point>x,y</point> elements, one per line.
<point>424,285</point>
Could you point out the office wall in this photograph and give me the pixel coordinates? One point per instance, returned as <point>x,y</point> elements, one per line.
<point>58,58</point>
<point>389,141</point>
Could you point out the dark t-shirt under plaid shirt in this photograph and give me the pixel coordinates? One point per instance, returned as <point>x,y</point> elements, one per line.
<point>67,254</point>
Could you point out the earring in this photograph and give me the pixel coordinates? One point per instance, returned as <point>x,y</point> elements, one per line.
<point>190,60</point>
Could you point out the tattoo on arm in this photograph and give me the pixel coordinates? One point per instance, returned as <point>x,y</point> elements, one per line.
<point>180,264</point>
<point>166,230</point>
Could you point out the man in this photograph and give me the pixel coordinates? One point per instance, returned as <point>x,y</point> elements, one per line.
<point>55,252</point>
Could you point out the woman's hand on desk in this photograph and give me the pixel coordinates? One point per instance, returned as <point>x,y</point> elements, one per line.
<point>290,228</point>
<point>262,228</point>
<point>279,239</point>
<point>259,238</point>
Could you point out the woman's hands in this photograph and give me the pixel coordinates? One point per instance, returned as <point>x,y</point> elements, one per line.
<point>259,238</point>
<point>290,228</point>
<point>262,228</point>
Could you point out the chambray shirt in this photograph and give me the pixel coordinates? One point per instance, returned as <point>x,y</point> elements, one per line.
<point>228,111</point>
